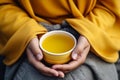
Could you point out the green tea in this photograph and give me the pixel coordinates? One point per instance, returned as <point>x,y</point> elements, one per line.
<point>58,43</point>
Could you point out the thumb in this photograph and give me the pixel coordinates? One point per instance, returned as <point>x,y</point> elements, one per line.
<point>77,52</point>
<point>74,55</point>
<point>78,49</point>
<point>34,47</point>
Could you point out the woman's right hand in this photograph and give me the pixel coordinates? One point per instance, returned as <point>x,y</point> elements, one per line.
<point>34,55</point>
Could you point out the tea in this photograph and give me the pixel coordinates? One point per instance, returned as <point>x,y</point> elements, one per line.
<point>58,43</point>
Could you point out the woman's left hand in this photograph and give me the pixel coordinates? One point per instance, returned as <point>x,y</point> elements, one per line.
<point>78,55</point>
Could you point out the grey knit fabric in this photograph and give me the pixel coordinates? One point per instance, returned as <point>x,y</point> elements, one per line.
<point>93,69</point>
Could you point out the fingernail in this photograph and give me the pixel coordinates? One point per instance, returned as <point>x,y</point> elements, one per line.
<point>62,76</point>
<point>39,57</point>
<point>74,56</point>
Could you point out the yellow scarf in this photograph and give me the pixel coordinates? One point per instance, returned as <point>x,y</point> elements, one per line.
<point>97,20</point>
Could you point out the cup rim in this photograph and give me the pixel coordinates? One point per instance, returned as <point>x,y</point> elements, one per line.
<point>54,31</point>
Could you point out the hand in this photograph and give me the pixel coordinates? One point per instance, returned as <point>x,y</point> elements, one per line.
<point>78,55</point>
<point>34,55</point>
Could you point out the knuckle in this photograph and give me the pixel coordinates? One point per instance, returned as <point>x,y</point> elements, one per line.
<point>79,49</point>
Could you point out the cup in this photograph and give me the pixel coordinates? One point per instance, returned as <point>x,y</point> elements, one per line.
<point>57,46</point>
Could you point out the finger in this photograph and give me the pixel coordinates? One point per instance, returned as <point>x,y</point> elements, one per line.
<point>40,66</point>
<point>84,54</point>
<point>48,71</point>
<point>79,48</point>
<point>66,67</point>
<point>61,74</point>
<point>34,47</point>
